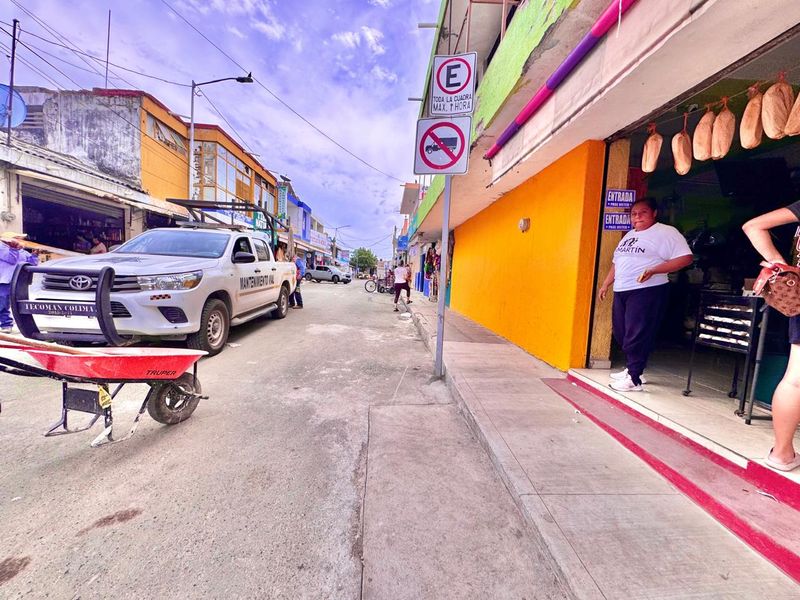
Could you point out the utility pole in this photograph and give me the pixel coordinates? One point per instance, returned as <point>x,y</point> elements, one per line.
<point>108,45</point>
<point>394,244</point>
<point>11,78</point>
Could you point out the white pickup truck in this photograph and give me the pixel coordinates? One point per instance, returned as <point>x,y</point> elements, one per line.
<point>172,283</point>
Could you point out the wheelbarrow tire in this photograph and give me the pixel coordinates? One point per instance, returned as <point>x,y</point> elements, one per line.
<point>215,323</point>
<point>168,404</point>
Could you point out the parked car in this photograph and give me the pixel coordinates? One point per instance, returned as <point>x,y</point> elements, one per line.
<point>171,283</point>
<point>328,273</point>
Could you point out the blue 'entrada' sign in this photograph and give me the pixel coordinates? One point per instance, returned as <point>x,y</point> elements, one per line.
<point>620,198</point>
<point>617,221</point>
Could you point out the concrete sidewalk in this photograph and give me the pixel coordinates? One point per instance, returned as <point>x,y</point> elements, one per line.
<point>615,527</point>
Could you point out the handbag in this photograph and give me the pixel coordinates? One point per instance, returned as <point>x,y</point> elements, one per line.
<point>779,285</point>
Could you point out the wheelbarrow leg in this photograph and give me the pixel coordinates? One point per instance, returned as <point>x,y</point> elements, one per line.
<point>61,427</point>
<point>106,436</point>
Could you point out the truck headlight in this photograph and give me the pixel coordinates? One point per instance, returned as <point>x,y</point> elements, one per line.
<point>178,281</point>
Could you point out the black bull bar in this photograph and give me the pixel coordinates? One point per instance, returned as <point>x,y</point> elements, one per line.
<point>24,309</point>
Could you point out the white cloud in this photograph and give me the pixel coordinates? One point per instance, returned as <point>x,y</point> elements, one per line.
<point>381,3</point>
<point>350,39</point>
<point>373,37</point>
<point>233,30</point>
<point>383,74</point>
<point>271,28</point>
<point>370,36</point>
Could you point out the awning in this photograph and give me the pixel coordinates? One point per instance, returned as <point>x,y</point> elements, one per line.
<point>410,197</point>
<point>132,198</point>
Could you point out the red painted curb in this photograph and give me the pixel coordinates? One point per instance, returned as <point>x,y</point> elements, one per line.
<point>760,476</point>
<point>780,556</point>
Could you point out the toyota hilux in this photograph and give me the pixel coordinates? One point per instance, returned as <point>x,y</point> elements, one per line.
<point>187,283</point>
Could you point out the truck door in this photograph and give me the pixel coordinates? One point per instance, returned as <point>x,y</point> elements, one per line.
<point>266,263</point>
<point>250,282</point>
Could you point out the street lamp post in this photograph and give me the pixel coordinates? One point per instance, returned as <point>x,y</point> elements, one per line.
<point>246,79</point>
<point>335,233</point>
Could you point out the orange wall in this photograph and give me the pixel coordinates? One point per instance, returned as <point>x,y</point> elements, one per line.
<point>535,288</point>
<point>165,172</point>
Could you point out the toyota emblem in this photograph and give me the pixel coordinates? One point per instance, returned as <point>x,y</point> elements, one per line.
<point>80,282</point>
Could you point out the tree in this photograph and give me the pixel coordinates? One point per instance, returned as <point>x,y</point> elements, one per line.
<point>363,259</point>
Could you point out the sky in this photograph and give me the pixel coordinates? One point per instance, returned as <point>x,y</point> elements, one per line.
<point>347,66</point>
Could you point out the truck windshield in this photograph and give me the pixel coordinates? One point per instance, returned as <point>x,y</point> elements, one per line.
<point>200,244</point>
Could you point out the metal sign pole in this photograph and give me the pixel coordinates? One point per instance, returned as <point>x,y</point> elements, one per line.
<point>443,264</point>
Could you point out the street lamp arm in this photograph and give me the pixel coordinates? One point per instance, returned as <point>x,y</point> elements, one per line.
<point>246,79</point>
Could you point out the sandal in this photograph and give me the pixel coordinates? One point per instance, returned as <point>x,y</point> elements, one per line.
<point>780,466</point>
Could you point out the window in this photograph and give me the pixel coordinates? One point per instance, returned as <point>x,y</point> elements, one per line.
<point>262,252</point>
<point>166,135</point>
<point>176,242</point>
<point>242,245</point>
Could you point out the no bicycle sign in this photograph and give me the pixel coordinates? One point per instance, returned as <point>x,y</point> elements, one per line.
<point>453,84</point>
<point>442,146</point>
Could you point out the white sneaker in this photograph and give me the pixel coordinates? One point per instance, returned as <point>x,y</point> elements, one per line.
<point>621,375</point>
<point>625,385</point>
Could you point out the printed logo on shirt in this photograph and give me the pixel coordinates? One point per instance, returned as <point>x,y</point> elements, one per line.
<point>629,246</point>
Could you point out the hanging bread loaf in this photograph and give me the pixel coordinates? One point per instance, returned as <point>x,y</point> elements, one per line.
<point>701,142</point>
<point>682,149</point>
<point>793,122</point>
<point>775,108</point>
<point>751,129</point>
<point>652,148</point>
<point>722,133</point>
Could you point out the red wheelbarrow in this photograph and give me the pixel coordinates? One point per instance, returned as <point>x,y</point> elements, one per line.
<point>173,393</point>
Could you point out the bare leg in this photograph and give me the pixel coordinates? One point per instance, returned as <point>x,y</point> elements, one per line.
<point>786,408</point>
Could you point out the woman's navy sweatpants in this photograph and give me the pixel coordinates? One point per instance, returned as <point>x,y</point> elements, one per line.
<point>636,318</point>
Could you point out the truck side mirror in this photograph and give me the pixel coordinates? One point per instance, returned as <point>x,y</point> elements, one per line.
<point>243,257</point>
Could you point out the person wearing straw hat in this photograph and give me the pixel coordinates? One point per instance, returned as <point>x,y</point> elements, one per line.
<point>11,254</point>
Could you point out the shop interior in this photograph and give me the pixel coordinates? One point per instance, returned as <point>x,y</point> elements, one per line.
<point>709,205</point>
<point>70,223</point>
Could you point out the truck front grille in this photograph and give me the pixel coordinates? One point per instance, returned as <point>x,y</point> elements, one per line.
<point>122,283</point>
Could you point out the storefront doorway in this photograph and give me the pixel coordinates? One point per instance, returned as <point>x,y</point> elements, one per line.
<point>68,222</point>
<point>709,205</point>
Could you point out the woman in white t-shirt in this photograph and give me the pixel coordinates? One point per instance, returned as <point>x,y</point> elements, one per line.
<point>402,275</point>
<point>644,258</point>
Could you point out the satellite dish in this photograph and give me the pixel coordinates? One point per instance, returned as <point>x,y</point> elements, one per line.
<point>19,110</point>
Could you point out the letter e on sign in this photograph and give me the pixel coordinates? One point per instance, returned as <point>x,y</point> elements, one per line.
<point>453,84</point>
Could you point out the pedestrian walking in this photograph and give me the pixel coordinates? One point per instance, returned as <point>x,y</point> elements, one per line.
<point>402,275</point>
<point>296,298</point>
<point>11,254</point>
<point>644,258</point>
<point>786,398</point>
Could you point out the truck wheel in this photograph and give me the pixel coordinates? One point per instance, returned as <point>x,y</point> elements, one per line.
<point>215,323</point>
<point>335,279</point>
<point>283,304</point>
<point>174,401</point>
<point>307,276</point>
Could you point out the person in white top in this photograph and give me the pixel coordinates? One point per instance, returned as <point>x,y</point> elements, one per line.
<point>644,258</point>
<point>402,275</point>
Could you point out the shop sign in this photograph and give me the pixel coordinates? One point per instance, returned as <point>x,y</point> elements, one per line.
<point>453,84</point>
<point>620,198</point>
<point>319,239</point>
<point>402,243</point>
<point>344,255</point>
<point>442,146</point>
<point>259,221</point>
<point>617,221</point>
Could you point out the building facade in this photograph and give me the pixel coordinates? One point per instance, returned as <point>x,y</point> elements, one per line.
<point>103,164</point>
<point>565,93</point>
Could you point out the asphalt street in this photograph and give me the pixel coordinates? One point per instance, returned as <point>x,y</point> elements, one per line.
<point>326,463</point>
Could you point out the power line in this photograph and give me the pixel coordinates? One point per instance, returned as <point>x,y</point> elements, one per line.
<point>97,59</point>
<point>278,98</point>
<point>53,32</point>
<point>107,105</point>
<point>228,123</point>
<point>32,67</point>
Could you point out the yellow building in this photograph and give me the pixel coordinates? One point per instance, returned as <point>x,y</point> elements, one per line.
<point>227,172</point>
